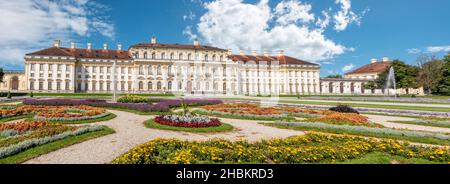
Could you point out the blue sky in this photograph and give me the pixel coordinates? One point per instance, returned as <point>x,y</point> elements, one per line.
<point>354,32</point>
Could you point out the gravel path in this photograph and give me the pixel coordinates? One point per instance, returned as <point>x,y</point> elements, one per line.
<point>387,122</point>
<point>130,132</point>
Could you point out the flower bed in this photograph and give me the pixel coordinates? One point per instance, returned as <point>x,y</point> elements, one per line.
<point>18,137</point>
<point>161,106</point>
<point>188,121</point>
<point>310,148</point>
<point>132,99</point>
<point>57,113</point>
<point>344,119</point>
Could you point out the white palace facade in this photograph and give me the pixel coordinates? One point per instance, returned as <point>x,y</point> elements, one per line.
<point>153,67</point>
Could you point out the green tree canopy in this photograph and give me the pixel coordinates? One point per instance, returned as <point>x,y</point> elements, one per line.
<point>444,84</point>
<point>405,75</point>
<point>1,74</point>
<point>337,76</point>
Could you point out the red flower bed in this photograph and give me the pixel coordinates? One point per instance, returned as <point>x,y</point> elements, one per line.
<point>213,123</point>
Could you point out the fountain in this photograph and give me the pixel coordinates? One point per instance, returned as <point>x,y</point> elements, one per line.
<point>391,83</point>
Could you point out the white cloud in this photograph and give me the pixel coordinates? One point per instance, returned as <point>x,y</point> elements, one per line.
<point>188,32</point>
<point>435,49</point>
<point>189,16</point>
<point>348,68</point>
<point>414,51</point>
<point>290,26</point>
<point>346,16</point>
<point>27,25</point>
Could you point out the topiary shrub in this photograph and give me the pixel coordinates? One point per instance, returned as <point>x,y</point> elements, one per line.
<point>344,109</point>
<point>9,96</point>
<point>31,95</point>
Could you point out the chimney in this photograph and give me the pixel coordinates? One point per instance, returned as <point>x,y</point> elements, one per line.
<point>105,46</point>
<point>73,45</point>
<point>230,52</point>
<point>119,46</point>
<point>254,52</point>
<point>89,46</point>
<point>241,52</point>
<point>374,60</point>
<point>385,59</point>
<point>266,53</point>
<point>153,40</point>
<point>56,43</point>
<point>280,53</point>
<point>196,42</point>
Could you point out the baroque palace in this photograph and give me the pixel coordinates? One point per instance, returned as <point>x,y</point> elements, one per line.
<point>154,67</point>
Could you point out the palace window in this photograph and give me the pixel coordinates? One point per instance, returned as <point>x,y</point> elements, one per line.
<point>68,68</point>
<point>141,85</point>
<point>50,85</point>
<point>41,67</point>
<point>141,70</point>
<point>31,85</point>
<point>136,55</point>
<point>206,57</point>
<point>214,58</point>
<point>67,86</point>
<point>180,57</point>
<point>171,56</point>
<point>221,58</point>
<point>158,85</point>
<point>58,86</point>
<point>32,67</point>
<point>189,57</point>
<point>158,70</point>
<point>59,68</point>
<point>153,55</point>
<point>169,85</point>
<point>150,85</point>
<point>41,86</point>
<point>150,70</point>
<point>169,70</point>
<point>163,55</point>
<point>145,55</point>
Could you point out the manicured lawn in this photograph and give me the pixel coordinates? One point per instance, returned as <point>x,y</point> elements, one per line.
<point>47,148</point>
<point>426,140</point>
<point>434,109</point>
<point>96,120</point>
<point>384,158</point>
<point>229,116</point>
<point>431,124</point>
<point>223,128</point>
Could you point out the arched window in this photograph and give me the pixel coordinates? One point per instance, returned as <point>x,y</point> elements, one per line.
<point>169,85</point>
<point>189,57</point>
<point>163,55</point>
<point>145,55</point>
<point>150,70</point>
<point>171,56</point>
<point>158,85</point>
<point>158,70</point>
<point>136,55</point>
<point>150,85</point>
<point>141,70</point>
<point>141,85</point>
<point>214,58</point>
<point>153,55</point>
<point>180,85</point>
<point>169,69</point>
<point>180,57</point>
<point>221,58</point>
<point>206,57</point>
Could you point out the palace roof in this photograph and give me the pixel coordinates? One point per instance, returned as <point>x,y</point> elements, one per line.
<point>83,53</point>
<point>283,60</point>
<point>178,46</point>
<point>376,67</point>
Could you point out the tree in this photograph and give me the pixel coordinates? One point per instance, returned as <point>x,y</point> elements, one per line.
<point>1,74</point>
<point>444,85</point>
<point>405,76</point>
<point>431,72</point>
<point>337,76</point>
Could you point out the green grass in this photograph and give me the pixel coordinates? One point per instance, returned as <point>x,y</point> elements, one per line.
<point>385,158</point>
<point>101,119</point>
<point>12,118</point>
<point>230,116</point>
<point>430,124</point>
<point>434,109</point>
<point>426,140</point>
<point>53,146</point>
<point>223,128</point>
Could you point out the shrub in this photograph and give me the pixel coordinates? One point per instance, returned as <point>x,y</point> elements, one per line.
<point>132,99</point>
<point>31,94</point>
<point>9,96</point>
<point>344,109</point>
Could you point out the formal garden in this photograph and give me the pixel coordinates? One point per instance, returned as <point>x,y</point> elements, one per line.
<point>195,131</point>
